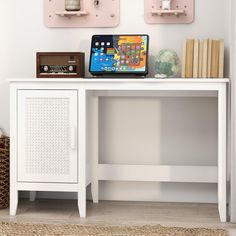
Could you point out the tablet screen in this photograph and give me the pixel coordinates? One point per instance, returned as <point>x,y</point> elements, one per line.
<point>119,54</point>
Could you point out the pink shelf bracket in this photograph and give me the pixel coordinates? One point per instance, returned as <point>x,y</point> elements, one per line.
<point>169,11</point>
<point>102,13</point>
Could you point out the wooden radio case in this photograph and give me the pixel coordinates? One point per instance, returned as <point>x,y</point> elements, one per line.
<point>60,64</point>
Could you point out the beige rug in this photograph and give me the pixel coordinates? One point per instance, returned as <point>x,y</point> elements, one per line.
<point>12,229</point>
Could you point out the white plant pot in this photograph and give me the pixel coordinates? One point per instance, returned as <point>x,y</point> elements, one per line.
<point>72,5</point>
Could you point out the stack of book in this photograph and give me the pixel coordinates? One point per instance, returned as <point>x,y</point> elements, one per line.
<point>203,58</point>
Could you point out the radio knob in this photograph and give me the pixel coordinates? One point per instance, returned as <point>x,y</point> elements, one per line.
<point>45,68</point>
<point>71,68</point>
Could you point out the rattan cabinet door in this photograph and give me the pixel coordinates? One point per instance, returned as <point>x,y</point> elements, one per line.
<point>47,136</point>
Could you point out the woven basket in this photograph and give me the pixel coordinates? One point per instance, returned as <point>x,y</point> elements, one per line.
<point>4,171</point>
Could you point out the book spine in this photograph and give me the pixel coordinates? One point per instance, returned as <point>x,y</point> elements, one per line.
<point>184,59</point>
<point>196,59</point>
<point>209,58</point>
<point>200,60</point>
<point>215,59</point>
<point>189,58</point>
<point>221,59</point>
<point>205,58</point>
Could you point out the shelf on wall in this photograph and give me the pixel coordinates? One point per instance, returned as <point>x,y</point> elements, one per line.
<point>105,14</point>
<point>168,12</point>
<point>180,12</point>
<point>71,13</point>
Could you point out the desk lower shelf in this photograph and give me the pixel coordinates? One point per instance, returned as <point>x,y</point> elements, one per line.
<point>158,173</point>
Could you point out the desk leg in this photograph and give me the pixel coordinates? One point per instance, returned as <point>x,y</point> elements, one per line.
<point>13,151</point>
<point>94,102</point>
<point>32,196</point>
<point>82,152</point>
<point>95,191</point>
<point>13,202</point>
<point>222,153</point>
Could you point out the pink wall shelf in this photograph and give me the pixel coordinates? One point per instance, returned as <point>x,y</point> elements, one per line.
<point>181,12</point>
<point>105,14</point>
<point>71,13</point>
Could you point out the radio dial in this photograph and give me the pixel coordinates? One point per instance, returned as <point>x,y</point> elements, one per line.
<point>45,68</point>
<point>71,68</point>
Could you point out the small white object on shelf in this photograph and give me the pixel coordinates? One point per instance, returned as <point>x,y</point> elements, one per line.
<point>71,13</point>
<point>166,4</point>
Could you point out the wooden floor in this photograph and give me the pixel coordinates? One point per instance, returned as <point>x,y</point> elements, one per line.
<point>118,213</point>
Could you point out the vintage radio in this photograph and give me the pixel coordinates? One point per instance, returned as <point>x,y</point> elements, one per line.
<point>60,65</point>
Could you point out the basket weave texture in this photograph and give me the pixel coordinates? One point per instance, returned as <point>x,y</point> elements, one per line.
<point>4,171</point>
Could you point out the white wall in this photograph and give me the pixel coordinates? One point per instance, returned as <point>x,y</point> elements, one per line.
<point>23,34</point>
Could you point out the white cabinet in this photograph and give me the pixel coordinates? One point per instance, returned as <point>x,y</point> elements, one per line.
<point>47,136</point>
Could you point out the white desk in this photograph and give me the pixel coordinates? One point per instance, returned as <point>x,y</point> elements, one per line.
<point>88,168</point>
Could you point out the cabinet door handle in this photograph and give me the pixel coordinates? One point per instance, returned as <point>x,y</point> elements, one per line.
<point>73,137</point>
